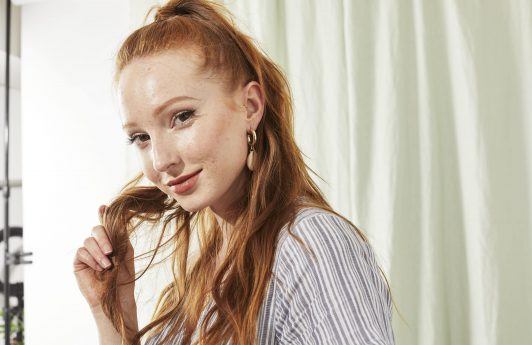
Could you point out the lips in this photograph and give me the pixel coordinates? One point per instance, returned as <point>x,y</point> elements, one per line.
<point>181,179</point>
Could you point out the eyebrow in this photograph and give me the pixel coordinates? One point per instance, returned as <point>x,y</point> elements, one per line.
<point>161,107</point>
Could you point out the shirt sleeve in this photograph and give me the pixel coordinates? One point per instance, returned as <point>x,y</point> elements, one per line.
<point>338,297</point>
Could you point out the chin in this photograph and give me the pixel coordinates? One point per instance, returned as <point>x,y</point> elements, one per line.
<point>189,203</point>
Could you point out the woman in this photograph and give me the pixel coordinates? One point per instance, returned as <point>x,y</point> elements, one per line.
<point>210,116</point>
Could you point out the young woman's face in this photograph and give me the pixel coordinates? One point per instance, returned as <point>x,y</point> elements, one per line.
<point>184,123</point>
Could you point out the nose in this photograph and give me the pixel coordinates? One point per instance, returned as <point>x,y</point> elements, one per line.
<point>164,155</point>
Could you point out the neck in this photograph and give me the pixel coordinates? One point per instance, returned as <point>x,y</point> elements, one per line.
<point>227,216</point>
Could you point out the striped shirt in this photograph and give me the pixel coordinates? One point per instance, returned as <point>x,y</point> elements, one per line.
<point>340,298</point>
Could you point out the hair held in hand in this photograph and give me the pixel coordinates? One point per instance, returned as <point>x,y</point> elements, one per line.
<point>133,207</point>
<point>273,190</point>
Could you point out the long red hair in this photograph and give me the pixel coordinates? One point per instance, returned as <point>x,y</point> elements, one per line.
<point>271,201</point>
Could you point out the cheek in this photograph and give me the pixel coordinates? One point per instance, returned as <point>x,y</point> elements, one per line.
<point>226,149</point>
<point>147,168</point>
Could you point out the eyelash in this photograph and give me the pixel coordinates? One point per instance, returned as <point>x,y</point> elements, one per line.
<point>191,113</point>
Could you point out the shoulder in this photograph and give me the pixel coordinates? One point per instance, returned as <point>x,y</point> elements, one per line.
<point>328,284</point>
<point>321,245</point>
<point>324,232</point>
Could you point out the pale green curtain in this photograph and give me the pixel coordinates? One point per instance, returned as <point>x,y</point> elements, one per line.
<point>418,114</point>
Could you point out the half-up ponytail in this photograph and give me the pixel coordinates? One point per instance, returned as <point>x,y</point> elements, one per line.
<point>185,8</point>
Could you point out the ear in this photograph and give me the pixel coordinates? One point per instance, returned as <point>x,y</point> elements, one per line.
<point>254,102</point>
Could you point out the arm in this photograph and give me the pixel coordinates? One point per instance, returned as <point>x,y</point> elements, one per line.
<point>337,298</point>
<point>107,334</point>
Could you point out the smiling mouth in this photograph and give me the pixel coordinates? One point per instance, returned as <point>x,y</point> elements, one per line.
<point>182,179</point>
<point>185,185</point>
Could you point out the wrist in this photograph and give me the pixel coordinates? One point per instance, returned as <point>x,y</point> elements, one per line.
<point>129,314</point>
<point>97,310</point>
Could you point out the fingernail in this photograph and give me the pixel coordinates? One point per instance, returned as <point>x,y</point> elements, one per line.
<point>105,262</point>
<point>107,249</point>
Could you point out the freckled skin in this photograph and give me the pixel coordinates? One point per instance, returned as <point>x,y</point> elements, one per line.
<point>213,139</point>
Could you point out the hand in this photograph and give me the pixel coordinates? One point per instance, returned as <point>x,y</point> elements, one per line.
<point>92,258</point>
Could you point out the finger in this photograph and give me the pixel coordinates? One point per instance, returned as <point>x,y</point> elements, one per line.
<point>95,250</point>
<point>99,233</point>
<point>84,259</point>
<point>101,211</point>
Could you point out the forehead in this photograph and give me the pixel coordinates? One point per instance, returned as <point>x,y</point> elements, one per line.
<point>155,75</point>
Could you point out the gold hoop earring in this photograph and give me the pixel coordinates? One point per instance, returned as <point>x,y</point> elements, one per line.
<point>252,139</point>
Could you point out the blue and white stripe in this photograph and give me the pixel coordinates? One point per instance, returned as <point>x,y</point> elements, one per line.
<point>340,298</point>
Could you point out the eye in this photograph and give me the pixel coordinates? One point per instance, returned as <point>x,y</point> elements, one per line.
<point>184,117</point>
<point>133,138</point>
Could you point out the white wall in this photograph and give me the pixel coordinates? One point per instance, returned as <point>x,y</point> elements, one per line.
<point>74,156</point>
